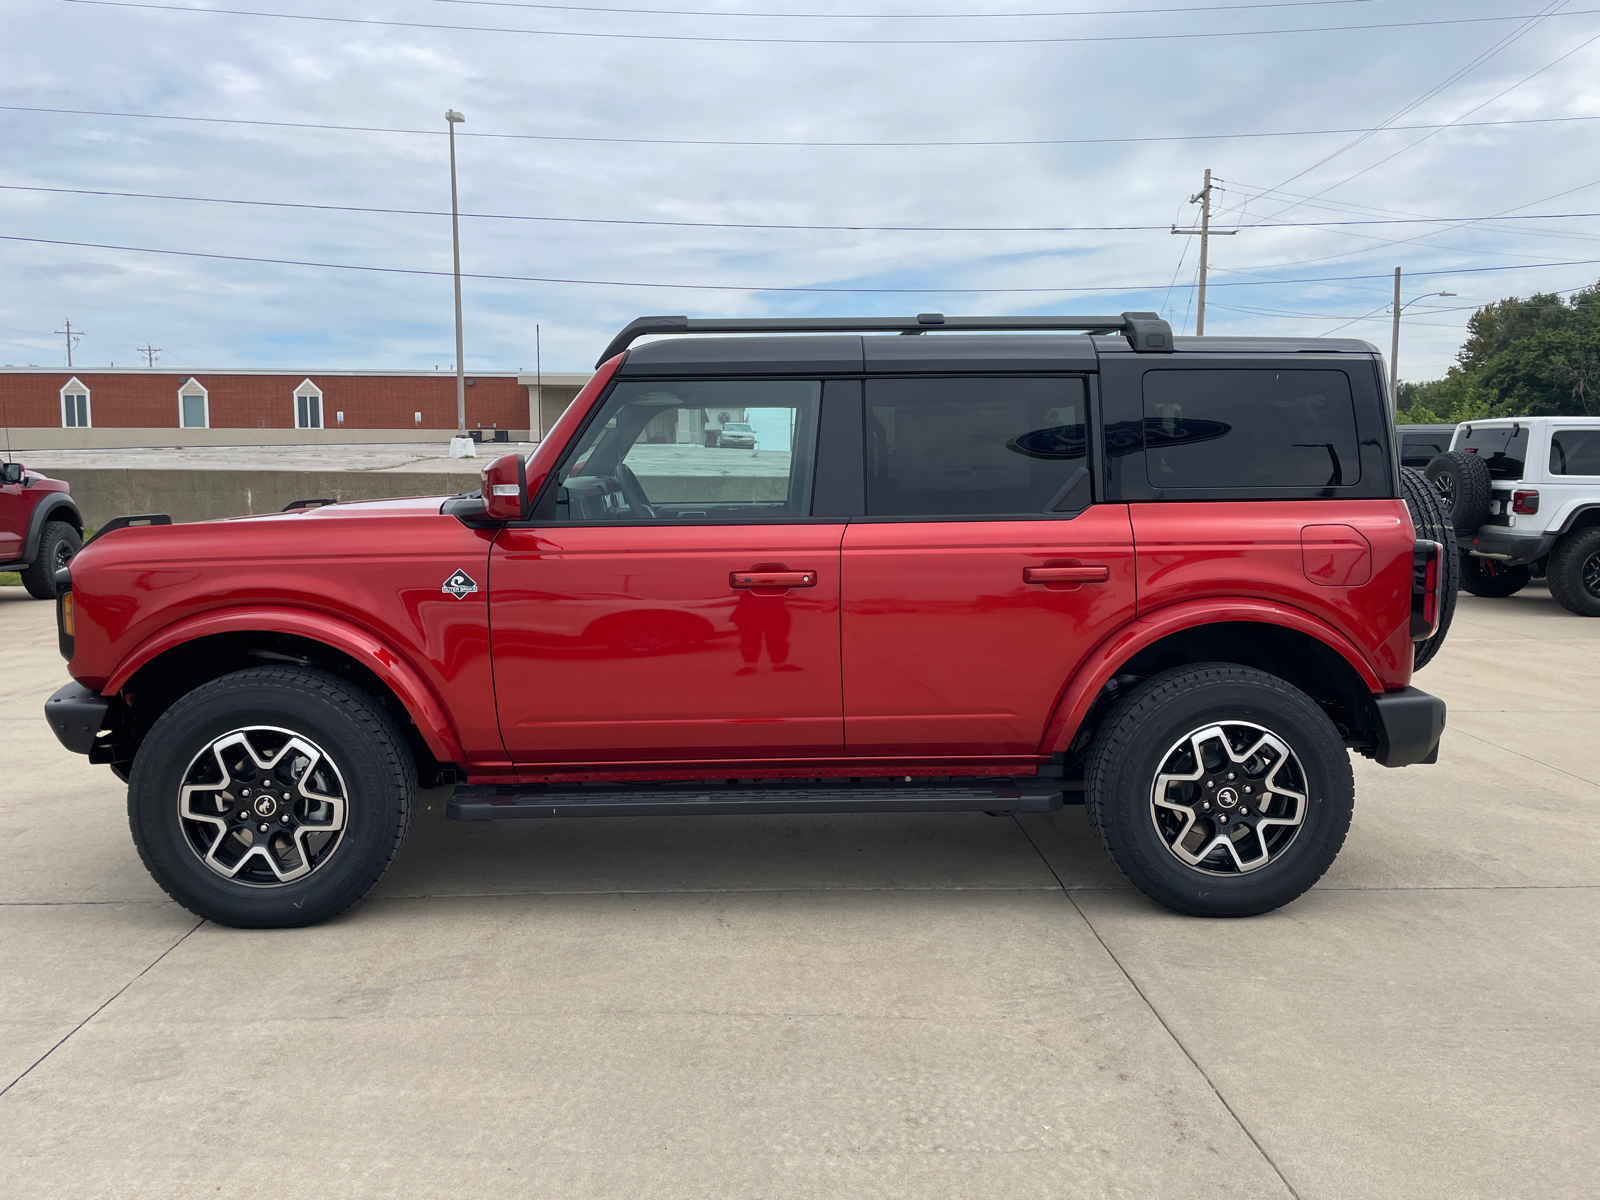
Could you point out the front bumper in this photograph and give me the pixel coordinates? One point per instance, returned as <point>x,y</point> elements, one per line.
<point>1507,545</point>
<point>1410,724</point>
<point>76,716</point>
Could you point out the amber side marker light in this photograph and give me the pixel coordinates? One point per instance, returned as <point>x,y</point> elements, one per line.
<point>66,615</point>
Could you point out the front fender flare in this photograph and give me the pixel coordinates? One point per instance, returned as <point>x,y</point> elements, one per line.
<point>1105,660</point>
<point>408,685</point>
<point>53,503</point>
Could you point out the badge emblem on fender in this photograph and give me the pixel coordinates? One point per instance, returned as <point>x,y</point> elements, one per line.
<point>459,585</point>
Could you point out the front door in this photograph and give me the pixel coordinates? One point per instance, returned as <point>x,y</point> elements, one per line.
<point>682,605</point>
<point>981,575</point>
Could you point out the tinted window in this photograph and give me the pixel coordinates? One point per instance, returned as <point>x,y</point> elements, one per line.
<point>652,453</point>
<point>1575,452</point>
<point>1249,429</point>
<point>1503,448</point>
<point>975,447</point>
<point>1420,449</point>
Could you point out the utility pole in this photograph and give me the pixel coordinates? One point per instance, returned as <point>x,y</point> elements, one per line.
<point>452,118</point>
<point>150,352</point>
<point>1394,346</point>
<point>1203,199</point>
<point>74,336</point>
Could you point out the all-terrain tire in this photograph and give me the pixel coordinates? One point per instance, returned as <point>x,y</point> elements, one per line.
<point>58,542</point>
<point>1485,577</point>
<point>1138,738</point>
<point>1574,571</point>
<point>371,767</point>
<point>1431,519</point>
<point>1462,480</point>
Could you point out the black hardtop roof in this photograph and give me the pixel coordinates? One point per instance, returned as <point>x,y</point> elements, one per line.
<point>854,354</point>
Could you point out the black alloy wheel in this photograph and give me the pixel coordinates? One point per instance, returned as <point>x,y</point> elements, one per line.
<point>58,542</point>
<point>1574,572</point>
<point>1219,790</point>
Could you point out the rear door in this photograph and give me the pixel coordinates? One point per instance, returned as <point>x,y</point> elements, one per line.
<point>681,604</point>
<point>981,573</point>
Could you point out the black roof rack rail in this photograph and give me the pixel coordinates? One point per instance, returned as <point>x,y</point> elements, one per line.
<point>1146,332</point>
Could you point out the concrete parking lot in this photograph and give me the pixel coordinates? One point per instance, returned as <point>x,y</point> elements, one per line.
<point>919,1006</point>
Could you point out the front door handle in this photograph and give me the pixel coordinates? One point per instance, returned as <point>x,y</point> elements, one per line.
<point>772,579</point>
<point>1066,574</point>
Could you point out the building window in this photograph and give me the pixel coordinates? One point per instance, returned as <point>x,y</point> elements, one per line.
<point>308,406</point>
<point>194,406</point>
<point>74,405</point>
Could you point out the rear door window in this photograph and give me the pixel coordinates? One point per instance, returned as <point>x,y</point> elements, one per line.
<point>1503,448</point>
<point>1575,452</point>
<point>984,446</point>
<point>1247,429</point>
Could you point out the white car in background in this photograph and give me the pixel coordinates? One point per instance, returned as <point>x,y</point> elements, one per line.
<point>1524,497</point>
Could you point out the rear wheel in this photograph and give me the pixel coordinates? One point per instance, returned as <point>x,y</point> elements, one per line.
<point>1574,572</point>
<point>274,796</point>
<point>1485,577</point>
<point>58,542</point>
<point>1220,791</point>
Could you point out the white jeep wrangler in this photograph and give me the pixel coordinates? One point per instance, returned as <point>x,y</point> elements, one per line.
<point>1524,497</point>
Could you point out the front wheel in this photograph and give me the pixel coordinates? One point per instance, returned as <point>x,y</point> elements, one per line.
<point>271,797</point>
<point>58,542</point>
<point>1221,791</point>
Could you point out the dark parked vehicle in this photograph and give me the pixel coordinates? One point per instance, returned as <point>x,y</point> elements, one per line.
<point>40,527</point>
<point>1421,444</point>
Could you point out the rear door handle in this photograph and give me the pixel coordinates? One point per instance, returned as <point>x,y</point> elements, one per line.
<point>1066,574</point>
<point>772,579</point>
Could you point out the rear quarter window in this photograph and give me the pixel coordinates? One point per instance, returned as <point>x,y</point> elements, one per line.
<point>1575,452</point>
<point>1249,429</point>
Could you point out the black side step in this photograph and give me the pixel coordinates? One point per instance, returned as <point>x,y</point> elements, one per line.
<point>478,802</point>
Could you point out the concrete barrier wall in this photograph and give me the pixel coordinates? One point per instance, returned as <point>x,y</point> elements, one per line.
<point>104,493</point>
<point>187,495</point>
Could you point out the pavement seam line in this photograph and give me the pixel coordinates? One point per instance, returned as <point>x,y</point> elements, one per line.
<point>103,1007</point>
<point>1528,757</point>
<point>1156,1013</point>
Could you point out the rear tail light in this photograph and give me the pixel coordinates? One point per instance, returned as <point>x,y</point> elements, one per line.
<point>1427,559</point>
<point>1525,502</point>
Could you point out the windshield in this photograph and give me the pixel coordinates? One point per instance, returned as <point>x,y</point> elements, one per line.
<point>735,427</point>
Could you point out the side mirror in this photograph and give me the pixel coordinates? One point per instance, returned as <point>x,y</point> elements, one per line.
<point>10,472</point>
<point>505,489</point>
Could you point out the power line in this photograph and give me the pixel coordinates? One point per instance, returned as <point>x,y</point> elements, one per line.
<point>792,41</point>
<point>734,287</point>
<point>428,212</point>
<point>883,16</point>
<point>642,141</point>
<point>1459,74</point>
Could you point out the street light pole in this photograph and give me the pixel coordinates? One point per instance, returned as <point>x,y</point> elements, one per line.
<point>1394,338</point>
<point>452,119</point>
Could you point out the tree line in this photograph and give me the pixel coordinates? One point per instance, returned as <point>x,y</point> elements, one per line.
<point>1538,356</point>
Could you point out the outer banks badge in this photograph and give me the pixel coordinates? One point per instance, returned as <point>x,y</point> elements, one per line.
<point>459,585</point>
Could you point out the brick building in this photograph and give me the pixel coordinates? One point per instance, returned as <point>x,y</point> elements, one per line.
<point>103,407</point>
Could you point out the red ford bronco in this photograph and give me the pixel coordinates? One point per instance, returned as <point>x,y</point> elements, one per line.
<point>996,567</point>
<point>40,527</point>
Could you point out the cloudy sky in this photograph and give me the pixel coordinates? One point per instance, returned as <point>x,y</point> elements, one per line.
<point>992,132</point>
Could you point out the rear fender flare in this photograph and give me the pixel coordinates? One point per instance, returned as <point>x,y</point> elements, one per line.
<point>1107,658</point>
<point>408,685</point>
